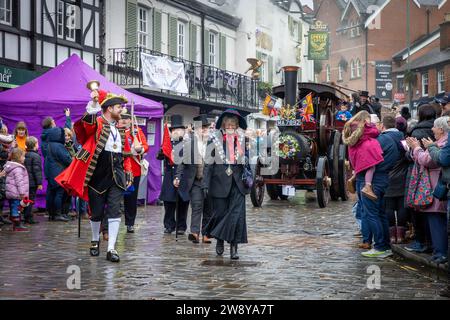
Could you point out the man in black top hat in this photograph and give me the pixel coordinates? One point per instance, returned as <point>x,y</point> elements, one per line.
<point>364,104</point>
<point>169,194</point>
<point>189,177</point>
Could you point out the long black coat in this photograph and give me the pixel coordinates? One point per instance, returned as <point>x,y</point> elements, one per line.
<point>168,190</point>
<point>187,170</point>
<point>218,183</point>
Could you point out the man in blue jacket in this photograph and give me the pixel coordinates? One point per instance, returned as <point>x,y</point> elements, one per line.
<point>373,213</point>
<point>442,157</point>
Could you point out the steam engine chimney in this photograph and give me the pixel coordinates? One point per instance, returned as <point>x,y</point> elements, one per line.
<point>290,85</point>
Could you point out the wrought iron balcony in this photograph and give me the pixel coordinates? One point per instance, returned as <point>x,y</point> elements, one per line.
<point>205,83</point>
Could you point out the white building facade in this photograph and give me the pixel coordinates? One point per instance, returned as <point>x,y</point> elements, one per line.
<point>200,32</point>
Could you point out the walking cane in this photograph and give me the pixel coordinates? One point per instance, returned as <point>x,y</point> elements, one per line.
<point>79,225</point>
<point>176,215</point>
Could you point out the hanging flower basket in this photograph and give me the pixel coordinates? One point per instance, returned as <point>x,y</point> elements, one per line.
<point>288,147</point>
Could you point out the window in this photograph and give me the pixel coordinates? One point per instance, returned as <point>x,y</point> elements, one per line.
<point>328,73</point>
<point>400,85</point>
<point>143,28</point>
<point>66,21</point>
<point>425,84</point>
<point>264,68</point>
<point>441,81</point>
<point>352,30</point>
<point>181,39</point>
<point>358,69</point>
<point>6,12</point>
<point>212,49</point>
<point>358,29</point>
<point>352,70</point>
<point>340,73</point>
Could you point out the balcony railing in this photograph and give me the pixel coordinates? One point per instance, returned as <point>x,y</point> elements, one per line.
<point>205,83</point>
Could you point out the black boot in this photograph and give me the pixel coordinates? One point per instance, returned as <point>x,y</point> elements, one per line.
<point>220,247</point>
<point>113,256</point>
<point>94,250</point>
<point>233,251</point>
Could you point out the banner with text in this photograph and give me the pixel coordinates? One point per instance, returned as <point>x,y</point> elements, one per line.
<point>163,73</point>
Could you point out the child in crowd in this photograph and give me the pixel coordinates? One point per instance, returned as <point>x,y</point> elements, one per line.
<point>68,134</point>
<point>17,186</point>
<point>364,150</point>
<point>344,114</point>
<point>6,141</point>
<point>20,136</point>
<point>33,164</point>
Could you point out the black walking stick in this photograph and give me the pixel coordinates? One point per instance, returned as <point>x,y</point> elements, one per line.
<point>176,215</point>
<point>79,225</point>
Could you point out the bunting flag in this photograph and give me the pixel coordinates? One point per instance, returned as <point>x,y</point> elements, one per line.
<point>167,145</point>
<point>306,110</point>
<point>269,105</point>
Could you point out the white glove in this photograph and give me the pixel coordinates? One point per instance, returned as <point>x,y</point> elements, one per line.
<point>93,107</point>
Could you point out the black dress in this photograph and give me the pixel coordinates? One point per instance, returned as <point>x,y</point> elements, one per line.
<point>227,192</point>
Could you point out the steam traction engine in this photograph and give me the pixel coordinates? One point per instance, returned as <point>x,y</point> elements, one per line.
<point>311,155</point>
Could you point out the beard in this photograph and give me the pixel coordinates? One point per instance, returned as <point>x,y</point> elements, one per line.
<point>115,116</point>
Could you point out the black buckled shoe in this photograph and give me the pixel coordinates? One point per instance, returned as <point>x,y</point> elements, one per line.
<point>194,237</point>
<point>220,247</point>
<point>112,256</point>
<point>94,250</point>
<point>233,252</point>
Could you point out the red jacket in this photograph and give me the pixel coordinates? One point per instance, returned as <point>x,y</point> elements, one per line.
<point>136,160</point>
<point>90,133</point>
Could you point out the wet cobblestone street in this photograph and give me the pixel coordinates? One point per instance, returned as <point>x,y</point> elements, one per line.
<point>295,251</point>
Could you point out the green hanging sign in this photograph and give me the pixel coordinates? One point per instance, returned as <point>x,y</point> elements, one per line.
<point>318,45</point>
<point>13,77</point>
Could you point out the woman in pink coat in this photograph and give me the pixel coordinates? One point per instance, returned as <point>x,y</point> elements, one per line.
<point>436,212</point>
<point>17,186</point>
<point>364,150</point>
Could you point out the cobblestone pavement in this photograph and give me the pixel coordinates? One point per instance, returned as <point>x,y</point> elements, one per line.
<point>295,251</point>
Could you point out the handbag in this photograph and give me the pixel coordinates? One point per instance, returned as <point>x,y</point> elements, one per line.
<point>351,185</point>
<point>420,192</point>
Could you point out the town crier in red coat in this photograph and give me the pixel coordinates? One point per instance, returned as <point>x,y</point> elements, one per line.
<point>139,148</point>
<point>101,172</point>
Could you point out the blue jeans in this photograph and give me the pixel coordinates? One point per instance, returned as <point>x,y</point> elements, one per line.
<point>438,230</point>
<point>14,207</point>
<point>374,218</point>
<point>362,216</point>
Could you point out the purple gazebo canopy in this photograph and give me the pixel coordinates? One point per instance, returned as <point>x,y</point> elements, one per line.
<point>65,86</point>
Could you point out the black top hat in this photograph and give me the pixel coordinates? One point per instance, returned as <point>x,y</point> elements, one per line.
<point>364,94</point>
<point>125,114</point>
<point>176,122</point>
<point>203,118</point>
<point>235,113</point>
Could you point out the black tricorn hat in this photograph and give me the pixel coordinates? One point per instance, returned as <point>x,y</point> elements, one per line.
<point>125,114</point>
<point>176,122</point>
<point>235,113</point>
<point>364,94</point>
<point>203,118</point>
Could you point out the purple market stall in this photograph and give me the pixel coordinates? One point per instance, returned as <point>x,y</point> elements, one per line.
<point>65,87</point>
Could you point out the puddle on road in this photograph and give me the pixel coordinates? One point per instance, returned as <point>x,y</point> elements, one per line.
<point>229,263</point>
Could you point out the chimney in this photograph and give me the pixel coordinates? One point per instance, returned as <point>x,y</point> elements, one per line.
<point>290,85</point>
<point>445,33</point>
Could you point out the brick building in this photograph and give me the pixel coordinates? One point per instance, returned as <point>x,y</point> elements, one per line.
<point>364,32</point>
<point>429,67</point>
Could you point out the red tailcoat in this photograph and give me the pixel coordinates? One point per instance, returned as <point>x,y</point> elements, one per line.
<point>92,135</point>
<point>135,160</point>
